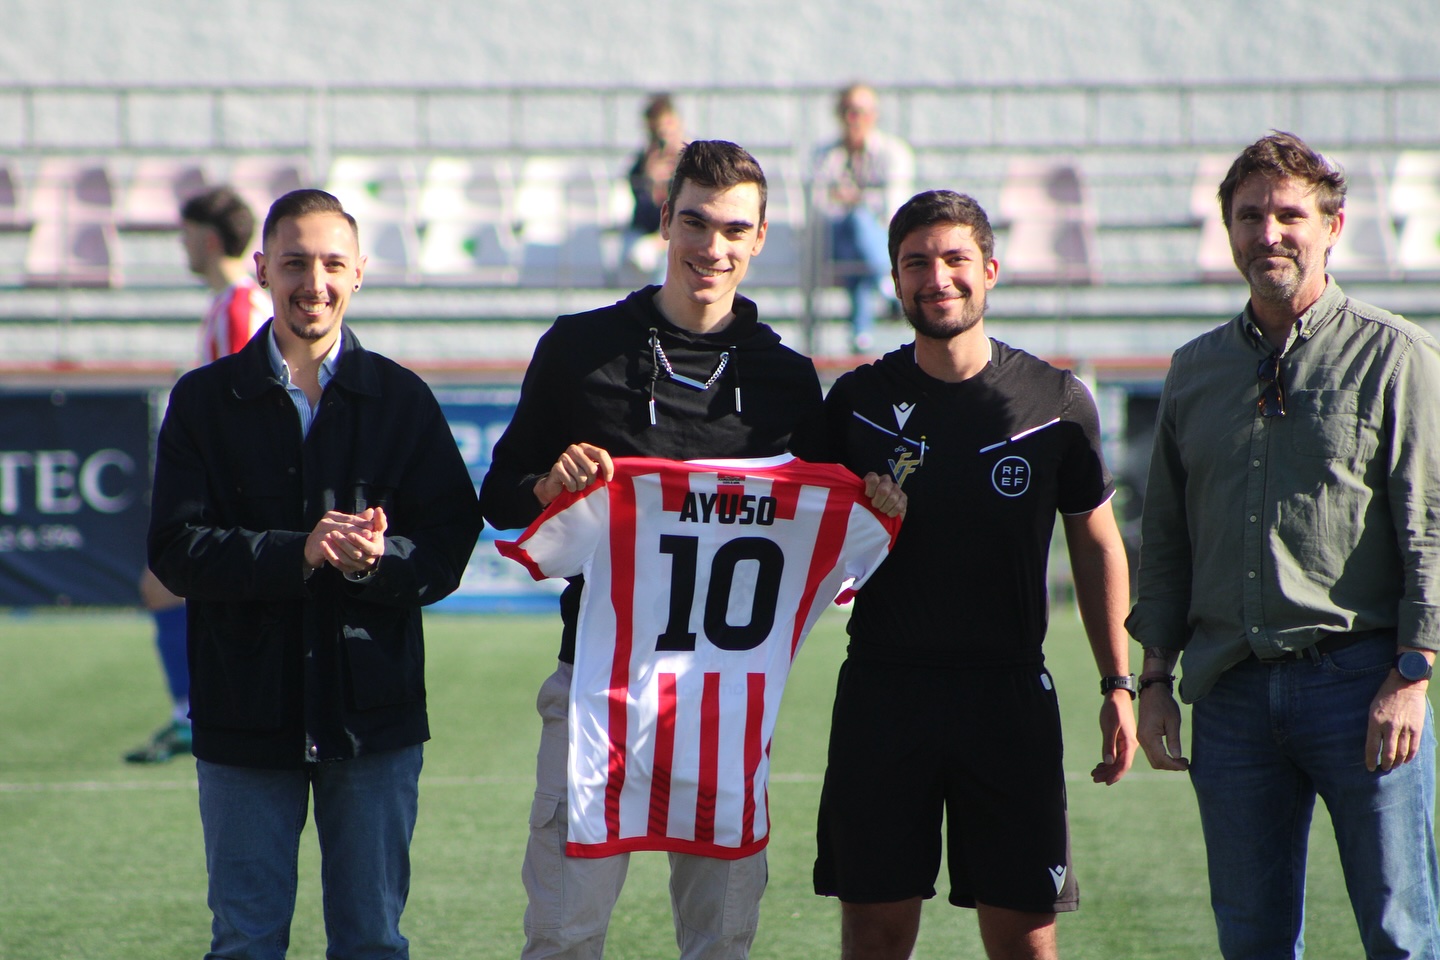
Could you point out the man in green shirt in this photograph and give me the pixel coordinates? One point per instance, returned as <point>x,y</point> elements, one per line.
<point>1291,550</point>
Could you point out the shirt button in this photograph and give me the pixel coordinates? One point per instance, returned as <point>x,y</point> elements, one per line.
<point>1254,629</point>
<point>1254,463</point>
<point>1253,518</point>
<point>314,751</point>
<point>1251,574</point>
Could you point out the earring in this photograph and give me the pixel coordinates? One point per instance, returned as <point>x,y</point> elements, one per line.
<point>357,286</point>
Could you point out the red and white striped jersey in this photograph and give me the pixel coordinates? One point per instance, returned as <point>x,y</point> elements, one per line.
<point>234,316</point>
<point>701,580</point>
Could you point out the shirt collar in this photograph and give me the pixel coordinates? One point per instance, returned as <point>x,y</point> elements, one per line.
<point>1308,323</point>
<point>281,369</point>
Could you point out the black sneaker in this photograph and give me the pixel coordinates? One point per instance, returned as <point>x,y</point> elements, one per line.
<point>171,740</point>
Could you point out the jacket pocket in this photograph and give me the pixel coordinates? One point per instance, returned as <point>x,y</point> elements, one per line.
<point>237,653</point>
<point>384,657</point>
<point>266,502</point>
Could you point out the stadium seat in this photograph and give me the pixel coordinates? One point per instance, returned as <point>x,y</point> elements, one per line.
<point>1366,249</point>
<point>563,208</point>
<point>1415,204</point>
<point>467,216</point>
<point>381,194</point>
<point>1419,248</point>
<point>262,179</point>
<point>1052,223</point>
<point>12,212</point>
<point>74,240</point>
<point>782,262</point>
<point>156,189</point>
<point>1212,257</point>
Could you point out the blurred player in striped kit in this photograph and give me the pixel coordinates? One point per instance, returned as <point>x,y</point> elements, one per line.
<point>216,228</point>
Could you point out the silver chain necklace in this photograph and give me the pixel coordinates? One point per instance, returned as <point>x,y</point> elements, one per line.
<point>690,382</point>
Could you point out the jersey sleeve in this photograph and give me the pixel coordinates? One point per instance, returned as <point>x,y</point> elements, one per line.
<point>563,539</point>
<point>869,540</point>
<point>248,313</point>
<point>868,535</point>
<point>1085,481</point>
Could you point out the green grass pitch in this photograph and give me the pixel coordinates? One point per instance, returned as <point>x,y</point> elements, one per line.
<point>99,859</point>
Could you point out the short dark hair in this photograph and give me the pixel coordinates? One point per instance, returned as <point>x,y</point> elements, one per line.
<point>224,211</point>
<point>302,203</point>
<point>716,164</point>
<point>1283,154</point>
<point>940,207</point>
<point>658,105</point>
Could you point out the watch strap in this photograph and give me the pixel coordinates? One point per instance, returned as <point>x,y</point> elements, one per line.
<point>1413,666</point>
<point>1126,683</point>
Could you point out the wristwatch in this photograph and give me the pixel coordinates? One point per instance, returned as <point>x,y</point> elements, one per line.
<point>1413,666</point>
<point>1126,683</point>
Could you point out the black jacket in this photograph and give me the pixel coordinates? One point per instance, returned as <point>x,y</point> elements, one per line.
<point>592,380</point>
<point>277,661</point>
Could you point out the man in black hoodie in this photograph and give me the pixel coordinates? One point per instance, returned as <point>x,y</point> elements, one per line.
<point>944,703</point>
<point>681,371</point>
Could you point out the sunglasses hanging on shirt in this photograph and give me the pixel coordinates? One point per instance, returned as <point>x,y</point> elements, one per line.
<point>1272,388</point>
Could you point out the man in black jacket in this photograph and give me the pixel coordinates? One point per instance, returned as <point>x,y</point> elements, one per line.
<point>681,371</point>
<point>309,499</point>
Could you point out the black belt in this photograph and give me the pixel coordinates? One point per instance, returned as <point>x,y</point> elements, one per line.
<point>1326,644</point>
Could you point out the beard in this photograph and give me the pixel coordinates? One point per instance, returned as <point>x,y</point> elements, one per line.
<point>944,327</point>
<point>1277,285</point>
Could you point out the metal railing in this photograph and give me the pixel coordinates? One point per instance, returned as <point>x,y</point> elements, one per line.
<point>321,121</point>
<point>1137,144</point>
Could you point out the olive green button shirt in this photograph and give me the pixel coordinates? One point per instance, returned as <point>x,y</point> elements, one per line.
<point>1265,534</point>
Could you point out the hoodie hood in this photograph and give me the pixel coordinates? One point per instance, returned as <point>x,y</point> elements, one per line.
<point>744,333</point>
<point>718,354</point>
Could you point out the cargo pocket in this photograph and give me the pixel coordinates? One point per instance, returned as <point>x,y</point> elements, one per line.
<point>544,871</point>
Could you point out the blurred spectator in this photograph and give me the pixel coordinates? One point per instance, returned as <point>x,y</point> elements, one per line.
<point>650,183</point>
<point>859,181</point>
<point>216,228</point>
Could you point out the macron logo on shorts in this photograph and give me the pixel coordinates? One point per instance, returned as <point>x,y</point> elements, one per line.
<point>1058,875</point>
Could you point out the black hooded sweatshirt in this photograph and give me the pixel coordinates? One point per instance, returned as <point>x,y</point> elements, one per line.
<point>627,380</point>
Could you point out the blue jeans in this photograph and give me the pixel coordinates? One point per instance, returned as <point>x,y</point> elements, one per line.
<point>1266,740</point>
<point>860,251</point>
<point>364,815</point>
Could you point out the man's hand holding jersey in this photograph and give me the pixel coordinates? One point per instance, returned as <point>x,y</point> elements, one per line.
<point>578,466</point>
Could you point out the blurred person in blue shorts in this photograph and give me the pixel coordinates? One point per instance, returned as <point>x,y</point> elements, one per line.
<point>215,228</point>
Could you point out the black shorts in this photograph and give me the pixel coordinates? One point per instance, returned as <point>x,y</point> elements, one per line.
<point>980,745</point>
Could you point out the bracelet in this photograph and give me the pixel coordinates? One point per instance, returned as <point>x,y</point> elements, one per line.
<point>1168,680</point>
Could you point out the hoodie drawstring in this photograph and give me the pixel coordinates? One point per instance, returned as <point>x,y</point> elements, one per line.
<point>659,361</point>
<point>655,354</point>
<point>735,375</point>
